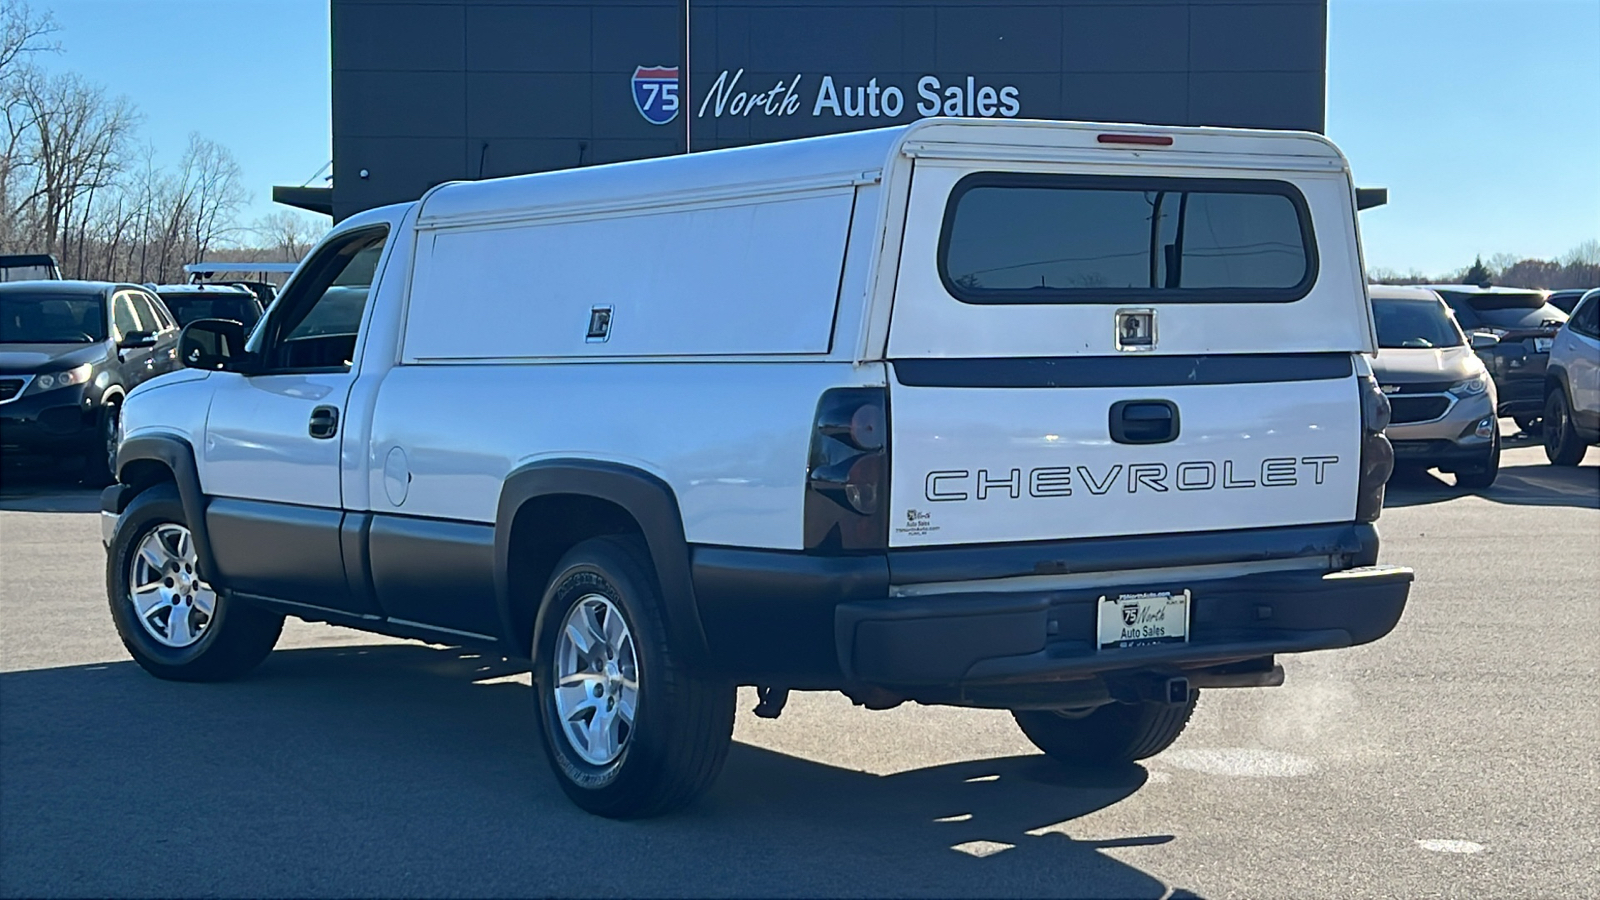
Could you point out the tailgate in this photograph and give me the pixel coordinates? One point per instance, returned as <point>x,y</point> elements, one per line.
<point>1097,349</point>
<point>987,453</point>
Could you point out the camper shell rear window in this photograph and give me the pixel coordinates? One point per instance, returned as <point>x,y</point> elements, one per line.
<point>1034,238</point>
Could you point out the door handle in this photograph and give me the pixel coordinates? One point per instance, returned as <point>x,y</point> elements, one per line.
<point>324,422</point>
<point>1144,421</point>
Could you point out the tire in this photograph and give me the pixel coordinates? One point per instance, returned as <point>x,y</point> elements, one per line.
<point>1111,735</point>
<point>673,747</point>
<point>1484,475</point>
<point>1529,424</point>
<point>1562,446</point>
<point>99,466</point>
<point>229,642</point>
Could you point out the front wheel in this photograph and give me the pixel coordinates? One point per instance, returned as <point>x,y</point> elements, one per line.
<point>175,625</point>
<point>630,731</point>
<point>1486,472</point>
<point>1562,446</point>
<point>1109,735</point>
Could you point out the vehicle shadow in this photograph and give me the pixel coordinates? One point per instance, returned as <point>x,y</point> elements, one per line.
<point>33,490</point>
<point>410,770</point>
<point>1528,485</point>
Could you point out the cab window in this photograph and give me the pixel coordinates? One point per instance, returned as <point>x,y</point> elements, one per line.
<point>313,326</point>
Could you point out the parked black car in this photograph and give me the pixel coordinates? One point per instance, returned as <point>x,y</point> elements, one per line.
<point>1566,301</point>
<point>1526,325</point>
<point>189,302</point>
<point>29,267</point>
<point>70,351</point>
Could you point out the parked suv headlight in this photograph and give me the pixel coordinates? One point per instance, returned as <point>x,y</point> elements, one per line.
<point>70,377</point>
<point>1471,387</point>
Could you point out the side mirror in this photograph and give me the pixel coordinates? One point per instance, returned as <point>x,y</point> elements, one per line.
<point>1483,340</point>
<point>215,344</point>
<point>137,340</point>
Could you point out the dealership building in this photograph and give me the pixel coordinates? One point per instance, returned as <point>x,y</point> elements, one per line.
<point>427,91</point>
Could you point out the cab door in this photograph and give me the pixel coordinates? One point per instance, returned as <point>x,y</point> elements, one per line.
<point>274,436</point>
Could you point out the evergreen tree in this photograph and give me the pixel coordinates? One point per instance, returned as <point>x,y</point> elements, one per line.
<point>1478,274</point>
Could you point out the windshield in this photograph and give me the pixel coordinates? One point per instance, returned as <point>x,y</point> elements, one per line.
<point>52,318</point>
<point>1420,324</point>
<point>188,307</point>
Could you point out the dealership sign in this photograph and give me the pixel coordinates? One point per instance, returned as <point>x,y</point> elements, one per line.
<point>929,95</point>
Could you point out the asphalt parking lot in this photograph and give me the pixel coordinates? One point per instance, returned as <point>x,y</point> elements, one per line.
<point>1460,756</point>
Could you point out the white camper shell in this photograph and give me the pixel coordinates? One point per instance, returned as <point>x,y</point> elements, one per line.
<point>1041,416</point>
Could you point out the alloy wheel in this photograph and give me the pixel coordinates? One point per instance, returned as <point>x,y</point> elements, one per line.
<point>170,601</point>
<point>596,683</point>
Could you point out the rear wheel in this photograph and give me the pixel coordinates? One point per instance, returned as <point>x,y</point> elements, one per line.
<point>1482,476</point>
<point>1109,735</point>
<point>630,731</point>
<point>1562,446</point>
<point>175,625</point>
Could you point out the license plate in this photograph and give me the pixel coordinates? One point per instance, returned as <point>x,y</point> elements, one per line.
<point>1136,620</point>
<point>1542,345</point>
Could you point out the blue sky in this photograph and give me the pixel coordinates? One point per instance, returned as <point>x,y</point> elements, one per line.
<point>1482,117</point>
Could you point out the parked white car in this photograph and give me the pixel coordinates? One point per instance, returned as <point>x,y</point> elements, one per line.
<point>1572,385</point>
<point>1066,419</point>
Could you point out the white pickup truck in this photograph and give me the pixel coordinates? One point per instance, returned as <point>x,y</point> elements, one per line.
<point>1066,419</point>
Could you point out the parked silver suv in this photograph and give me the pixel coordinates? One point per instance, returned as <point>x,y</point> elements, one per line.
<point>1572,385</point>
<point>1441,393</point>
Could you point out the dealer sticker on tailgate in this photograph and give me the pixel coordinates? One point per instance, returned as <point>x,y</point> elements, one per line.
<point>1134,620</point>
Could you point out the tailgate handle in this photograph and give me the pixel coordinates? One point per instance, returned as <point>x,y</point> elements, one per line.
<point>1144,421</point>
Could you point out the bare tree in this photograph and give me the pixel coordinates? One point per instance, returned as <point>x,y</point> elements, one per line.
<point>23,33</point>
<point>1585,254</point>
<point>212,190</point>
<point>288,235</point>
<point>74,183</point>
<point>76,141</point>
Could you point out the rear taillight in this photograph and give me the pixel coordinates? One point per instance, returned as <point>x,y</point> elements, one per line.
<point>1377,455</point>
<point>847,472</point>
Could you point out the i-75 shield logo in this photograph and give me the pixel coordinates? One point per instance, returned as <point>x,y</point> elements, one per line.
<point>655,93</point>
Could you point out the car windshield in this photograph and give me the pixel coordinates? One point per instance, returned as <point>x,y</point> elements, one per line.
<point>1420,324</point>
<point>189,306</point>
<point>51,318</point>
